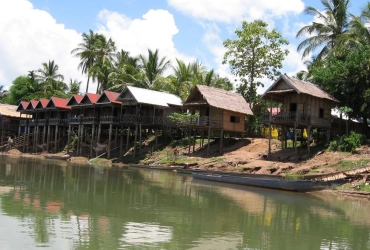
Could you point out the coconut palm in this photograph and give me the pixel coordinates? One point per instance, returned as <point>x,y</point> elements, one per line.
<point>359,32</point>
<point>153,68</point>
<point>333,22</point>
<point>126,72</point>
<point>86,52</point>
<point>104,52</point>
<point>51,81</point>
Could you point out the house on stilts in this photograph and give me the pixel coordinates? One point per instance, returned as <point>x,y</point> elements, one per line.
<point>220,111</point>
<point>303,105</point>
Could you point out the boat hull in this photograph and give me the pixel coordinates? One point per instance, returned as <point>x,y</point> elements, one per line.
<point>291,185</point>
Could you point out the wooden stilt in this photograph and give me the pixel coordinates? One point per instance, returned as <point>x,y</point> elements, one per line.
<point>48,139</point>
<point>221,141</point>
<point>69,139</point>
<point>109,140</point>
<point>308,137</point>
<point>209,138</point>
<point>128,138</point>
<point>56,139</point>
<point>133,155</point>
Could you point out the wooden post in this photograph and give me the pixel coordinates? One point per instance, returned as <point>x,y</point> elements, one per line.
<point>56,138</point>
<point>82,138</point>
<point>48,139</point>
<point>270,117</point>
<point>92,140</point>
<point>209,137</point>
<point>127,138</point>
<point>109,140</point>
<point>99,133</point>
<point>308,137</point>
<point>69,138</point>
<point>156,137</point>
<point>140,137</point>
<point>133,155</point>
<point>221,141</point>
<point>121,143</point>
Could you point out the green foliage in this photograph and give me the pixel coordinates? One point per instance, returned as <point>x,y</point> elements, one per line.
<point>183,117</point>
<point>73,145</point>
<point>347,143</point>
<point>22,89</point>
<point>182,142</point>
<point>255,54</point>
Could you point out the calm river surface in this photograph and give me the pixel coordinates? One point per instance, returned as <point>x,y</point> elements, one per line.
<point>56,205</point>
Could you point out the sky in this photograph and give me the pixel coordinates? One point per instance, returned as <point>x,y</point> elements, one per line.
<point>36,31</point>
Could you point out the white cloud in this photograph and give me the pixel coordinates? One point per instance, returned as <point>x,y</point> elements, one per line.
<point>236,10</point>
<point>154,31</point>
<point>30,37</point>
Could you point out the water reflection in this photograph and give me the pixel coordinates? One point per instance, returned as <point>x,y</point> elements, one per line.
<point>58,205</point>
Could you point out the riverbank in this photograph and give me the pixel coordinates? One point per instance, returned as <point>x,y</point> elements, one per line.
<point>248,155</point>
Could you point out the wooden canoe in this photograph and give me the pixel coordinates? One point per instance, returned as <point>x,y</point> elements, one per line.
<point>291,185</point>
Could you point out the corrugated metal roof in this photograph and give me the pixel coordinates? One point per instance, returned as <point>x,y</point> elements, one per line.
<point>152,97</point>
<point>220,98</point>
<point>11,111</point>
<point>42,103</point>
<point>22,106</point>
<point>299,87</point>
<point>59,103</point>
<point>74,100</point>
<point>112,96</point>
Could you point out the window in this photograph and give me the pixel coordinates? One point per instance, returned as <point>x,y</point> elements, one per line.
<point>293,107</point>
<point>235,119</point>
<point>321,113</point>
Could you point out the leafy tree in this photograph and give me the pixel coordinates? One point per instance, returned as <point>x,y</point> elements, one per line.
<point>51,81</point>
<point>126,72</point>
<point>333,22</point>
<point>3,94</point>
<point>255,54</point>
<point>346,75</point>
<point>74,87</point>
<point>86,52</point>
<point>22,89</point>
<point>153,68</point>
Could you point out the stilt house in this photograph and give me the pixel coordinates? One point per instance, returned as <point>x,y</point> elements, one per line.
<point>219,110</point>
<point>303,105</point>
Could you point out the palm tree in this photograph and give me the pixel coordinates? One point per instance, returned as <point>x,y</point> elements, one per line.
<point>3,94</point>
<point>51,81</point>
<point>359,32</point>
<point>104,52</point>
<point>333,22</point>
<point>153,68</point>
<point>86,52</point>
<point>126,72</point>
<point>74,86</point>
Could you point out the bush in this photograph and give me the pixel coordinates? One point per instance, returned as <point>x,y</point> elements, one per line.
<point>347,143</point>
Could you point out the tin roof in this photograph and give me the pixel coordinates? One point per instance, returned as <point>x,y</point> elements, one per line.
<point>59,103</point>
<point>151,97</point>
<point>11,110</point>
<point>109,97</point>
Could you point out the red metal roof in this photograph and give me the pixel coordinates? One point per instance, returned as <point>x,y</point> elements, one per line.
<point>78,98</point>
<point>112,96</point>
<point>59,103</point>
<point>22,106</point>
<point>93,97</point>
<point>44,102</point>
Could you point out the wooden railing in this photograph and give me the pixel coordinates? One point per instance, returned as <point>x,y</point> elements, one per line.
<point>109,119</point>
<point>58,121</point>
<point>286,116</point>
<point>202,121</point>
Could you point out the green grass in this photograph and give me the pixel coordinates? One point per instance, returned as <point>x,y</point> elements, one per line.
<point>347,165</point>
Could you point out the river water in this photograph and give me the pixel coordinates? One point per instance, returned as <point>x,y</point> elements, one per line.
<point>57,205</point>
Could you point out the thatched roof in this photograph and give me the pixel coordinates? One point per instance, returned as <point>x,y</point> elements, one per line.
<point>297,86</point>
<point>10,111</point>
<point>218,98</point>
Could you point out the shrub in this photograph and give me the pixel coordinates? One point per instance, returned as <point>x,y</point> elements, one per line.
<point>347,143</point>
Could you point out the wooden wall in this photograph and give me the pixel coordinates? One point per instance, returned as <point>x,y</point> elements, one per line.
<point>310,105</point>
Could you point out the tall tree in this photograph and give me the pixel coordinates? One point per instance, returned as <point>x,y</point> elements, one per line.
<point>254,55</point>
<point>126,72</point>
<point>333,22</point>
<point>104,52</point>
<point>50,80</point>
<point>153,68</point>
<point>74,86</point>
<point>86,52</point>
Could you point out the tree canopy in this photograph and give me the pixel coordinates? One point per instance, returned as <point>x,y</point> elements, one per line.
<point>256,53</point>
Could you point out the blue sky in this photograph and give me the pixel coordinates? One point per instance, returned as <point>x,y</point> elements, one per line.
<point>35,31</point>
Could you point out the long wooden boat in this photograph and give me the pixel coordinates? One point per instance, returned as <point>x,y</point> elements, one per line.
<point>58,157</point>
<point>291,185</point>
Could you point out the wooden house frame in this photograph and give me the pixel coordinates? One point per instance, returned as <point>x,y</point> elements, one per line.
<point>144,108</point>
<point>303,105</point>
<point>219,110</point>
